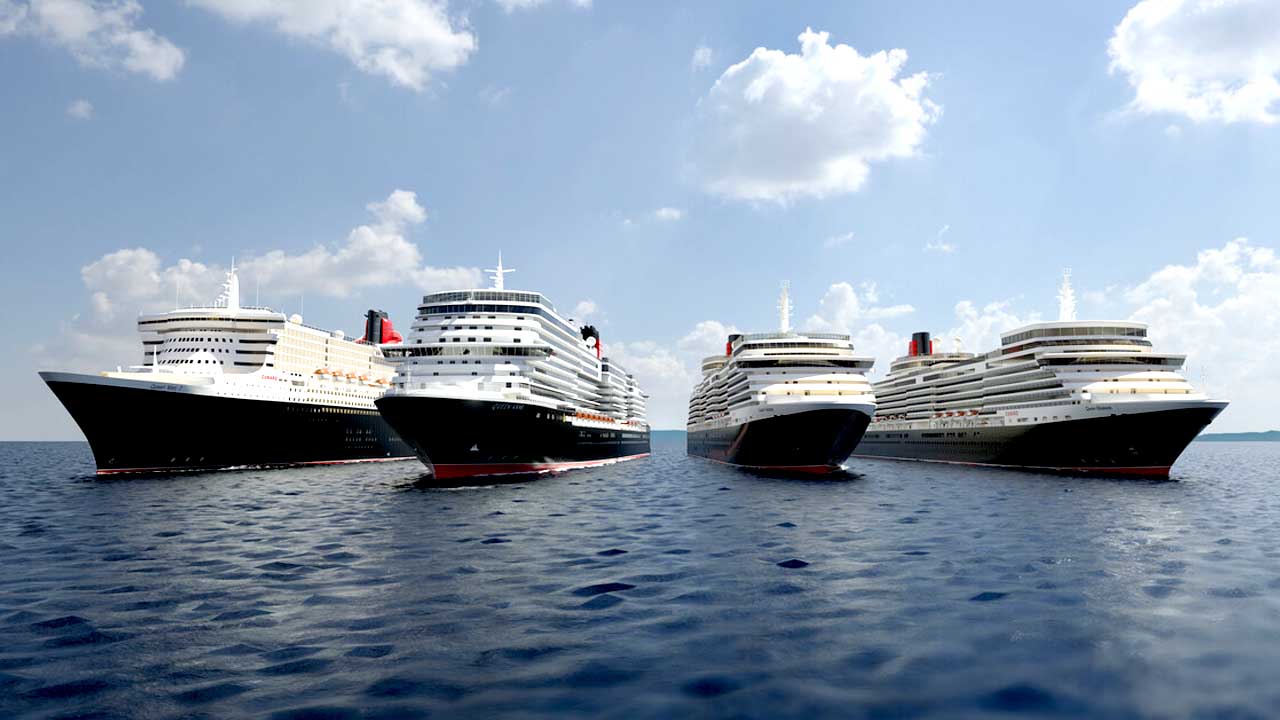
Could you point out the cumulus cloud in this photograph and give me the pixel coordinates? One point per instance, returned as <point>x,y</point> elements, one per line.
<point>701,58</point>
<point>978,327</point>
<point>1221,311</point>
<point>779,126</point>
<point>372,255</point>
<point>513,5</point>
<point>80,109</point>
<point>585,311</point>
<point>857,312</point>
<point>404,41</point>
<point>844,307</point>
<point>128,281</point>
<point>668,214</point>
<point>97,33</point>
<point>665,376</point>
<point>1207,60</point>
<point>668,372</point>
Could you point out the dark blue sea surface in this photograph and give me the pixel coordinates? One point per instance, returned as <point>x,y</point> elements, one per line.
<point>665,587</point>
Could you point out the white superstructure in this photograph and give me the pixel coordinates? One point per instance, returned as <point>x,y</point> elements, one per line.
<point>764,375</point>
<point>512,346</point>
<point>230,350</point>
<point>1044,372</point>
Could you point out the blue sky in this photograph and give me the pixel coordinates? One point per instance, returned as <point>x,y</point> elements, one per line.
<point>618,162</point>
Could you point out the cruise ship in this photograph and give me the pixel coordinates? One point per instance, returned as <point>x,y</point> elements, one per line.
<point>782,401</point>
<point>1068,396</point>
<point>497,382</point>
<point>225,386</point>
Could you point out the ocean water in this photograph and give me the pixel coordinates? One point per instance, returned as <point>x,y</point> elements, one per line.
<point>666,587</point>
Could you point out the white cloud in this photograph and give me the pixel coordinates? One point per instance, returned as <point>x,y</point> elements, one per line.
<point>836,241</point>
<point>372,255</point>
<point>130,280</point>
<point>11,16</point>
<point>668,372</point>
<point>844,308</point>
<point>585,311</point>
<point>857,312</point>
<point>80,109</point>
<point>1207,60</point>
<point>701,59</point>
<point>1221,312</point>
<point>98,33</point>
<point>125,282</point>
<point>668,214</point>
<point>978,328</point>
<point>706,338</point>
<point>513,5</point>
<point>403,40</point>
<point>665,376</point>
<point>779,126</point>
<point>937,244</point>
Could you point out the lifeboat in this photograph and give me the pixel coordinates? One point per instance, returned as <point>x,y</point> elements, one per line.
<point>322,371</point>
<point>351,376</point>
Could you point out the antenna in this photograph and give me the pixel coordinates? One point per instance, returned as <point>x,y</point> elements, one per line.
<point>784,308</point>
<point>1066,299</point>
<point>498,272</point>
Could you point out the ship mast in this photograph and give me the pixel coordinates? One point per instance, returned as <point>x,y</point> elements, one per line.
<point>230,297</point>
<point>784,308</point>
<point>1066,299</point>
<point>498,273</point>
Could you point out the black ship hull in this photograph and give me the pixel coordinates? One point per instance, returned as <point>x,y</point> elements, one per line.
<point>459,438</point>
<point>139,427</point>
<point>1142,444</point>
<point>814,441</point>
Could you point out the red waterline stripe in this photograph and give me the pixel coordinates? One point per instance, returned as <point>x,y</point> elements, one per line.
<point>457,470</point>
<point>1136,470</point>
<point>205,468</point>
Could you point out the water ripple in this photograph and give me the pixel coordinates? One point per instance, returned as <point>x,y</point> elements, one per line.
<point>659,588</point>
